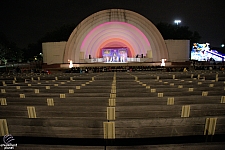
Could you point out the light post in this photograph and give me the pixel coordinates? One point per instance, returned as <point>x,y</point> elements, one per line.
<point>177,22</point>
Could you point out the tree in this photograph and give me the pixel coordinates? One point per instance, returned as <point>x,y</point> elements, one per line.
<point>57,35</point>
<point>32,50</point>
<point>177,32</point>
<point>222,48</point>
<point>8,50</point>
<point>3,47</point>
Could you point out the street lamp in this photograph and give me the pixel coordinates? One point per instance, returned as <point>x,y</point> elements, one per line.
<point>177,21</point>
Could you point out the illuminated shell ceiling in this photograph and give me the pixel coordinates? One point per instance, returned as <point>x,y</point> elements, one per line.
<point>115,28</point>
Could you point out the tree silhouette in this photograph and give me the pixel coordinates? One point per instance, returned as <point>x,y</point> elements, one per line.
<point>8,50</point>
<point>178,32</point>
<point>57,35</point>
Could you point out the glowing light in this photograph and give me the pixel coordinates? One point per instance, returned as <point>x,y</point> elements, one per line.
<point>116,40</point>
<point>71,63</point>
<point>163,62</point>
<point>108,33</point>
<point>222,45</point>
<point>177,21</point>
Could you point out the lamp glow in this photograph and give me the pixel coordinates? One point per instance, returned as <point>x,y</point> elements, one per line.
<point>177,21</point>
<point>163,62</point>
<point>71,64</point>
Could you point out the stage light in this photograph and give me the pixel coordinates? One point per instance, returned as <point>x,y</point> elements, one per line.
<point>222,45</point>
<point>177,21</point>
<point>163,62</point>
<point>71,63</point>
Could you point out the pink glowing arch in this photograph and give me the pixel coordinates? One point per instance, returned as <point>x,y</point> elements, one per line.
<point>114,27</point>
<point>131,35</point>
<point>116,42</point>
<point>115,24</point>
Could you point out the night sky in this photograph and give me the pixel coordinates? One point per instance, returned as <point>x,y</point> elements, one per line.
<point>26,21</point>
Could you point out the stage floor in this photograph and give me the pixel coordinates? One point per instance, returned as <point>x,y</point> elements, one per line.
<point>114,64</point>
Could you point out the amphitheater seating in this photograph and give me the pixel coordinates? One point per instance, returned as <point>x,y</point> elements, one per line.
<point>132,105</point>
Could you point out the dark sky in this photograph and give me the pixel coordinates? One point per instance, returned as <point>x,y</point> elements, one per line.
<point>26,21</point>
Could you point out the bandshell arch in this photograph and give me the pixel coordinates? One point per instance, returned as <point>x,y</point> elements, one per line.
<point>115,17</point>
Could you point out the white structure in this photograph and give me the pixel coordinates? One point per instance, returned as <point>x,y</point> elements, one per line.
<point>53,52</point>
<point>115,28</point>
<point>179,50</point>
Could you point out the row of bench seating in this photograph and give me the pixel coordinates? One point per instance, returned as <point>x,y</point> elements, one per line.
<point>122,105</point>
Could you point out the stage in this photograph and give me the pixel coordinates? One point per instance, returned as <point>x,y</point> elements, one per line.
<point>151,64</point>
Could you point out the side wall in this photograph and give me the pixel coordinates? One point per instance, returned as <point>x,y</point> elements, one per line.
<point>53,52</point>
<point>178,50</point>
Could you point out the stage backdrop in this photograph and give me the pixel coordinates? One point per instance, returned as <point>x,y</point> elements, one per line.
<point>114,55</point>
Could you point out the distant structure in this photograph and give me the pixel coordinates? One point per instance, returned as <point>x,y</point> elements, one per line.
<point>115,36</point>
